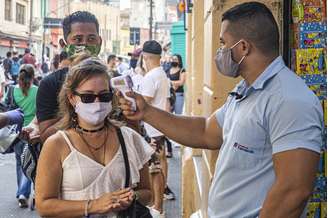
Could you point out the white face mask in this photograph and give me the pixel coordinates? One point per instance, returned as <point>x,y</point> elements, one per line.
<point>93,113</point>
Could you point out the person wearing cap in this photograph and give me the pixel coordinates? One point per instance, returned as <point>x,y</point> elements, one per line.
<point>155,90</point>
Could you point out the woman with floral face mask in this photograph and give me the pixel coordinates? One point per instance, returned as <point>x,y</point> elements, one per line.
<point>81,170</point>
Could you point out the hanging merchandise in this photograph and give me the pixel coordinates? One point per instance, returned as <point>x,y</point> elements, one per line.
<point>313,35</point>
<point>308,59</point>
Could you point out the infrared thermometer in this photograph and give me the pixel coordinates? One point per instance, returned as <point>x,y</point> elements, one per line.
<point>124,84</point>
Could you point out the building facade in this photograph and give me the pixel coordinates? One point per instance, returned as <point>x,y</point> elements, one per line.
<point>20,26</point>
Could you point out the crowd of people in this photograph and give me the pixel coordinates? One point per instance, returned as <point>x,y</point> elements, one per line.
<point>101,157</point>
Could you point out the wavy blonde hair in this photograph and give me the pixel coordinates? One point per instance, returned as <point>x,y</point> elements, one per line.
<point>82,68</point>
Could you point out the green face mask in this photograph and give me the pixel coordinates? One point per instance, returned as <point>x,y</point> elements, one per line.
<point>75,49</point>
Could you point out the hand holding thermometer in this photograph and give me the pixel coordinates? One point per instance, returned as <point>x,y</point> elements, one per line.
<point>124,84</point>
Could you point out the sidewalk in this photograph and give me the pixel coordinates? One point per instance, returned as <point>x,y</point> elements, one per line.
<point>173,208</point>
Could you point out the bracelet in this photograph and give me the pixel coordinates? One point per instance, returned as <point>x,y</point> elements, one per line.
<point>86,208</point>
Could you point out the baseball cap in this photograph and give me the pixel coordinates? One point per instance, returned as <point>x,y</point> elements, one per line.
<point>152,47</point>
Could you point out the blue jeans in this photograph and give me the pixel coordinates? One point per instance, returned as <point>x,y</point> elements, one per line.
<point>178,106</point>
<point>23,183</point>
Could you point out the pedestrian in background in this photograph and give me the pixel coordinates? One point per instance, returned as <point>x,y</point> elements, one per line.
<point>24,95</point>
<point>7,62</point>
<point>29,58</point>
<point>155,90</point>
<point>177,76</point>
<point>111,64</point>
<point>121,66</point>
<point>14,72</point>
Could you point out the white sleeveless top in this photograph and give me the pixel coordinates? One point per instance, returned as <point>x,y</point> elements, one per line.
<point>84,178</point>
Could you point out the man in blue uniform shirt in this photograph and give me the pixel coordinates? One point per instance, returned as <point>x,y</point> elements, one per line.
<point>269,131</point>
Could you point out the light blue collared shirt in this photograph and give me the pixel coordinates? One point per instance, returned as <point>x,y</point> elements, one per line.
<point>277,113</point>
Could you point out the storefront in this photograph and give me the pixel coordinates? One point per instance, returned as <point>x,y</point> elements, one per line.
<point>302,24</point>
<point>12,43</point>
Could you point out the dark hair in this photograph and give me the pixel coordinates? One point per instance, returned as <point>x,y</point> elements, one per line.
<point>20,56</point>
<point>82,68</point>
<point>78,17</point>
<point>26,76</point>
<point>8,54</point>
<point>120,59</point>
<point>15,53</point>
<point>55,61</point>
<point>27,50</point>
<point>254,21</point>
<point>180,60</point>
<point>63,56</point>
<point>110,57</point>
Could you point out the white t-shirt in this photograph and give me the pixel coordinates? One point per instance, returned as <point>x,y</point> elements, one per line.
<point>155,85</point>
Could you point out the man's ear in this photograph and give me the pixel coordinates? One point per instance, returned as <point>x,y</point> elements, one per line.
<point>100,41</point>
<point>62,43</point>
<point>246,46</point>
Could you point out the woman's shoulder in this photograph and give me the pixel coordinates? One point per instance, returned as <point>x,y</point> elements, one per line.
<point>55,143</point>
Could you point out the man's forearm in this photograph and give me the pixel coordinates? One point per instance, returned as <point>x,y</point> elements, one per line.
<point>284,202</point>
<point>49,130</point>
<point>185,130</point>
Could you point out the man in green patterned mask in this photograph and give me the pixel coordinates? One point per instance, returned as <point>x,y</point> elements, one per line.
<point>81,34</point>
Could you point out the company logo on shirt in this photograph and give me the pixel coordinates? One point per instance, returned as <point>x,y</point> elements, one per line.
<point>243,148</point>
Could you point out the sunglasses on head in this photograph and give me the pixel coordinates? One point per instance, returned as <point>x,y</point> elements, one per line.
<point>90,98</point>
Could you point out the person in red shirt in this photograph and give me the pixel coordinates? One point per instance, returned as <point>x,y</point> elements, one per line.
<point>28,58</point>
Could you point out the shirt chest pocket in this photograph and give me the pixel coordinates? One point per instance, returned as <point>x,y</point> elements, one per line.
<point>248,144</point>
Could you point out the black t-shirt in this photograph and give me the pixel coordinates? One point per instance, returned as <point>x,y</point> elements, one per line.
<point>176,77</point>
<point>47,105</point>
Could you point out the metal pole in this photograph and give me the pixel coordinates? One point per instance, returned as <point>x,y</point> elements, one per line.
<point>30,27</point>
<point>44,30</point>
<point>151,20</point>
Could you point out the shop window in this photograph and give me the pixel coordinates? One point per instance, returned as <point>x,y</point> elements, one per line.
<point>20,13</point>
<point>8,10</point>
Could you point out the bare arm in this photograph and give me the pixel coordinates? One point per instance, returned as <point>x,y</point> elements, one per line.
<point>295,174</point>
<point>48,181</point>
<point>182,129</point>
<point>180,82</point>
<point>143,189</point>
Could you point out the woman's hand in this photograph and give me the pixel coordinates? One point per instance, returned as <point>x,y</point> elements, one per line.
<point>112,202</point>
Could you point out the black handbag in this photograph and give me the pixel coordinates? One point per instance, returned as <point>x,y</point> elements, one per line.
<point>136,209</point>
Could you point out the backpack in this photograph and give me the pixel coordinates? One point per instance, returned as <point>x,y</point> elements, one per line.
<point>15,68</point>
